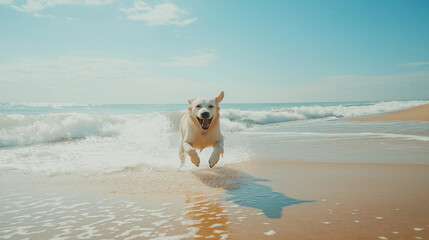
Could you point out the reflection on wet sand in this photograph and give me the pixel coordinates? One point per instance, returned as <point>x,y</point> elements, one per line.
<point>246,191</point>
<point>207,217</point>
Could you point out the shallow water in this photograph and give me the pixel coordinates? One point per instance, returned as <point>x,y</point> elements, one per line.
<point>65,212</point>
<point>85,138</point>
<point>343,141</point>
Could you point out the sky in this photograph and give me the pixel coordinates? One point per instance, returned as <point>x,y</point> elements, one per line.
<point>120,51</point>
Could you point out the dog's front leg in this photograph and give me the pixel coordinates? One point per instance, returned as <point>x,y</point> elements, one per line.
<point>192,153</point>
<point>217,151</point>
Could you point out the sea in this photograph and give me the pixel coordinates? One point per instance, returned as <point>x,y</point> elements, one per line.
<point>63,138</point>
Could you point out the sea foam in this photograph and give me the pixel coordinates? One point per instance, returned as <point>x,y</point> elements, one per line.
<point>96,140</point>
<point>20,129</point>
<point>78,142</point>
<point>279,115</point>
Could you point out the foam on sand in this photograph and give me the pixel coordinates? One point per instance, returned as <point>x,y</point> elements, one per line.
<point>270,233</point>
<point>48,215</point>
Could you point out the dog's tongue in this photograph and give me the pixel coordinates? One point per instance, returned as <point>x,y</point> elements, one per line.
<point>205,122</point>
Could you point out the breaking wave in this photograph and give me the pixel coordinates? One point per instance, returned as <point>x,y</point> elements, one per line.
<point>315,112</point>
<point>26,130</point>
<point>20,130</point>
<point>96,140</point>
<point>95,143</point>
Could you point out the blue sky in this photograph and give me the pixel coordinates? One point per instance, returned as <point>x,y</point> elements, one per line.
<point>111,51</point>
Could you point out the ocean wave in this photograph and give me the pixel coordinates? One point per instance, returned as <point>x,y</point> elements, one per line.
<point>22,130</point>
<point>19,130</point>
<point>56,106</point>
<point>105,143</point>
<point>41,104</point>
<point>279,115</point>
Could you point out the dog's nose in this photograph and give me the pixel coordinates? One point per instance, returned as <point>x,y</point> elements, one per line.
<point>205,114</point>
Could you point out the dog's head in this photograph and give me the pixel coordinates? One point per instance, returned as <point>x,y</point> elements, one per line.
<point>205,110</point>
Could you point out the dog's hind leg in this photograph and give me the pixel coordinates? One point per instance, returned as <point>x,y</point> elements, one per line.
<point>217,151</point>
<point>192,153</point>
<point>181,154</point>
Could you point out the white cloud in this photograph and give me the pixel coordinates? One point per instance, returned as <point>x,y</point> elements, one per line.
<point>5,2</point>
<point>36,14</point>
<point>201,60</point>
<point>69,69</point>
<point>35,6</point>
<point>94,80</point>
<point>416,64</point>
<point>97,2</point>
<point>161,14</point>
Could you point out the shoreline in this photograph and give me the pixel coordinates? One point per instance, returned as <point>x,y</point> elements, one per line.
<point>419,113</point>
<point>252,200</point>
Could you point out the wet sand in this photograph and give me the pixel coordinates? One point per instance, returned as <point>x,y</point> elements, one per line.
<point>252,200</point>
<point>419,113</point>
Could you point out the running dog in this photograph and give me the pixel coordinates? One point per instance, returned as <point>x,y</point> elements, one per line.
<point>199,129</point>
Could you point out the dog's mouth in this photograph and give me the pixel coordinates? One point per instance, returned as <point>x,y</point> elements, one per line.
<point>205,122</point>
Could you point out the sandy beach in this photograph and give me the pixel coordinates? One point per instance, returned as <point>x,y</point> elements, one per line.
<point>419,113</point>
<point>253,200</point>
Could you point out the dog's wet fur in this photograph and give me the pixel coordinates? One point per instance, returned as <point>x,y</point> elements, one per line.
<point>199,129</point>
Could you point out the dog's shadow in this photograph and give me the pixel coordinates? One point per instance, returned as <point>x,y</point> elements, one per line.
<point>246,191</point>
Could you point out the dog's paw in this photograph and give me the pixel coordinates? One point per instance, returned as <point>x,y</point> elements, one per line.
<point>195,160</point>
<point>214,158</point>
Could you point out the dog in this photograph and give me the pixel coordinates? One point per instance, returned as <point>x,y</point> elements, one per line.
<point>199,128</point>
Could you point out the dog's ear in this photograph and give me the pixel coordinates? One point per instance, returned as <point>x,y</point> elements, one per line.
<point>219,98</point>
<point>190,101</point>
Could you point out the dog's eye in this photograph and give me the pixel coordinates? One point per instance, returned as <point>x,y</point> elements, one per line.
<point>198,106</point>
<point>211,106</point>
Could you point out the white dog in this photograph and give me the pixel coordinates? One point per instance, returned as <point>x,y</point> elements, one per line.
<point>199,129</point>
